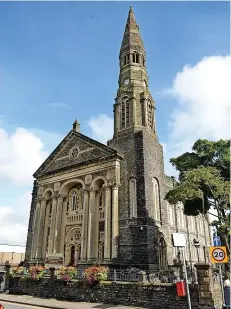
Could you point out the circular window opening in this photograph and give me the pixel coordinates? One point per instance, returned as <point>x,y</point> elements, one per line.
<point>74,153</point>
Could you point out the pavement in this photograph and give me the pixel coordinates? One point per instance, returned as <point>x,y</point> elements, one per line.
<point>23,301</point>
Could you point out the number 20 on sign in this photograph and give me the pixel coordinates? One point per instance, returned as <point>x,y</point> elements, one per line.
<point>218,255</point>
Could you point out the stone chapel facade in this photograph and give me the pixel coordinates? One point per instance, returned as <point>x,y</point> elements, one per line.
<point>98,203</point>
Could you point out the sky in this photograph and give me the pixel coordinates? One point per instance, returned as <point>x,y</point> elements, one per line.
<point>59,61</point>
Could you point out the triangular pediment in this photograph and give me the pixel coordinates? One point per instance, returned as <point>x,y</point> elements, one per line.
<point>75,150</point>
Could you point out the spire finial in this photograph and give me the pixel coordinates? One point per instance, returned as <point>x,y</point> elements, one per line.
<point>131,34</point>
<point>76,126</point>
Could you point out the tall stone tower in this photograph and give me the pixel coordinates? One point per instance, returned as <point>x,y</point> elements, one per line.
<point>143,220</point>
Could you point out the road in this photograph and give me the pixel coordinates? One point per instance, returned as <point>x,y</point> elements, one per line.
<point>17,306</point>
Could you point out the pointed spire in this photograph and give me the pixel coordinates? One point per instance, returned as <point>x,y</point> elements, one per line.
<point>76,126</point>
<point>131,17</point>
<point>131,38</point>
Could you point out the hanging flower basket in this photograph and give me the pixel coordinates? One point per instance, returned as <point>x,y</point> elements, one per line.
<point>66,273</point>
<point>36,272</point>
<point>93,275</point>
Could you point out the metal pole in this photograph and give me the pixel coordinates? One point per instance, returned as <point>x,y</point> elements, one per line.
<point>222,286</point>
<point>186,279</point>
<point>221,280</point>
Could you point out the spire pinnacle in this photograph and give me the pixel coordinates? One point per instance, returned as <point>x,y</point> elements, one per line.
<point>131,38</point>
<point>76,126</point>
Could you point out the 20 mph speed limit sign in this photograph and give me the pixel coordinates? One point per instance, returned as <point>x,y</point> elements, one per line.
<point>218,255</point>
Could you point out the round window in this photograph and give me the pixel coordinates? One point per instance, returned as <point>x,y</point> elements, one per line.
<point>74,153</point>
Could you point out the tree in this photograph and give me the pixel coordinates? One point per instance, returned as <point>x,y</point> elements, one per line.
<point>204,183</point>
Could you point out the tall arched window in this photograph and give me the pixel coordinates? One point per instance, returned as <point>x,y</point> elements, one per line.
<point>74,201</point>
<point>162,254</point>
<point>126,59</point>
<point>171,214</point>
<point>125,113</point>
<point>135,57</point>
<point>156,199</point>
<point>133,201</point>
<point>150,114</point>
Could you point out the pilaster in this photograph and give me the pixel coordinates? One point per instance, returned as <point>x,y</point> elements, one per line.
<point>90,242</point>
<point>115,221</point>
<point>63,226</point>
<point>41,227</point>
<point>107,233</point>
<point>58,222</point>
<point>84,239</point>
<point>52,229</point>
<point>35,227</point>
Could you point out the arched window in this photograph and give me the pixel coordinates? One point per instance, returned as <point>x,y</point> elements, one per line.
<point>156,199</point>
<point>133,201</point>
<point>74,201</point>
<point>126,59</point>
<point>135,57</point>
<point>162,254</point>
<point>171,214</point>
<point>125,113</point>
<point>150,114</point>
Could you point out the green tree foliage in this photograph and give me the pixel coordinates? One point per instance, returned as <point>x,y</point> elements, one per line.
<point>204,183</point>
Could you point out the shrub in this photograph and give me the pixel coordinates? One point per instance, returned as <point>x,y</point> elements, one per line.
<point>66,273</point>
<point>36,272</point>
<point>95,274</point>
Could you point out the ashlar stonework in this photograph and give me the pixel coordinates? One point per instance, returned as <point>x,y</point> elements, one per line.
<point>106,203</point>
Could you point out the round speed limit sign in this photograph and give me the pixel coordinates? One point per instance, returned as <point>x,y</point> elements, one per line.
<point>218,254</point>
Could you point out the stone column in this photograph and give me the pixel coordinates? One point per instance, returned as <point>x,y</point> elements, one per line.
<point>44,248</point>
<point>115,221</point>
<point>90,242</point>
<point>63,225</point>
<point>107,229</point>
<point>41,228</point>
<point>58,222</point>
<point>35,229</point>
<point>95,227</point>
<point>209,291</point>
<point>67,255</point>
<point>85,226</point>
<point>52,228</point>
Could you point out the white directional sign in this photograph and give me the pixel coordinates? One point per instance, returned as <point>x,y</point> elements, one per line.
<point>218,255</point>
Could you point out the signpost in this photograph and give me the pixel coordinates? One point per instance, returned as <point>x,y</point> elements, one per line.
<point>179,240</point>
<point>218,255</point>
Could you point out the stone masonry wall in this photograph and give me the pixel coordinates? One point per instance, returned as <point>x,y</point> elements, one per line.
<point>148,296</point>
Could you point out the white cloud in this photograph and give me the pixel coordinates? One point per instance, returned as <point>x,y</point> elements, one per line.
<point>101,127</point>
<point>21,154</point>
<point>204,101</point>
<point>14,220</point>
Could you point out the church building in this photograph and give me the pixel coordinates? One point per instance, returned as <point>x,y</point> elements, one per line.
<point>97,203</point>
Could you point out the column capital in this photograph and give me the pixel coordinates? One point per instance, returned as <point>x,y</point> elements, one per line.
<point>39,199</point>
<point>92,190</point>
<point>115,186</point>
<point>86,191</point>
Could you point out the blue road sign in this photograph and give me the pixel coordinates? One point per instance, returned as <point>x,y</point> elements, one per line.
<point>216,241</point>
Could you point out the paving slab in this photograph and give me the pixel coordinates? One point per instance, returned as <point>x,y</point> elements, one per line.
<point>57,304</point>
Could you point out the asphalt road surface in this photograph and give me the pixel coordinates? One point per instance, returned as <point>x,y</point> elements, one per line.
<point>17,306</point>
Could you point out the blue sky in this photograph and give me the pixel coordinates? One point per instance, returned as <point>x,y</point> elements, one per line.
<point>59,61</point>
